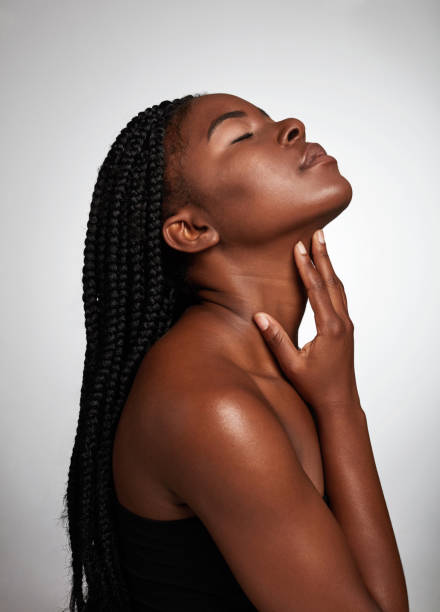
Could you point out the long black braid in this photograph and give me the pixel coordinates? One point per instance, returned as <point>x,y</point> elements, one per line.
<point>133,292</point>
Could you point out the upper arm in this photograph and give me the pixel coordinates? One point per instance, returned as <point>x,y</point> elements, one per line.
<point>232,463</point>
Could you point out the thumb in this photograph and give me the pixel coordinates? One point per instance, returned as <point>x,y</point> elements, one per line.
<point>278,340</point>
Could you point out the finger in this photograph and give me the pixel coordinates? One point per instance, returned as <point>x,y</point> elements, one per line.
<point>344,297</point>
<point>326,316</point>
<point>278,340</point>
<point>323,264</point>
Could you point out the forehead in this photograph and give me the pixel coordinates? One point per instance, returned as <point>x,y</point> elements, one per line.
<point>207,108</point>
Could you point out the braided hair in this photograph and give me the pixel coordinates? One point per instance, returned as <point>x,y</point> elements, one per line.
<point>133,291</point>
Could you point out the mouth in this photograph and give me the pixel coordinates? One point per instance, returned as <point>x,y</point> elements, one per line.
<point>314,154</point>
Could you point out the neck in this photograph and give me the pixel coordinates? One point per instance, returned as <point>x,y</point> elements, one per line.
<point>246,283</point>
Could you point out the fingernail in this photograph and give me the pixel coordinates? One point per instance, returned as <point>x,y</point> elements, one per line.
<point>301,247</point>
<point>321,236</point>
<point>261,321</point>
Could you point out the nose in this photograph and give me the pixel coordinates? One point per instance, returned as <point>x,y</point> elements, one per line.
<point>291,130</point>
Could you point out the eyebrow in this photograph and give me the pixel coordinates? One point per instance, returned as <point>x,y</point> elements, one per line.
<point>236,113</point>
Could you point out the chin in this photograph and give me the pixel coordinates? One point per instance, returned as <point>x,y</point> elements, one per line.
<point>334,200</point>
<point>344,193</point>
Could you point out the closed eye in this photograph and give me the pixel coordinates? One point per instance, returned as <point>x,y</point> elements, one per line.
<point>242,137</point>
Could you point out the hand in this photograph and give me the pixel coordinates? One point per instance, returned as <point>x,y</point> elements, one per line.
<point>323,370</point>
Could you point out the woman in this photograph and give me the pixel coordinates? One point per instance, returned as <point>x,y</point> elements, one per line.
<point>204,441</point>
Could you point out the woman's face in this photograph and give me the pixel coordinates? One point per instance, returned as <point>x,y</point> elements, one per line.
<point>246,169</point>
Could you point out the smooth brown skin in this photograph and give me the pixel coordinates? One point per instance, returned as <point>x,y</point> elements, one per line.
<point>218,421</point>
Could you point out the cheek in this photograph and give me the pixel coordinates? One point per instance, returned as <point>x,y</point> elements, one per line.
<point>256,178</point>
<point>247,178</point>
<point>261,196</point>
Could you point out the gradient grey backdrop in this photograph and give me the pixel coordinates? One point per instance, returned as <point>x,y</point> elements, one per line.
<point>363,77</point>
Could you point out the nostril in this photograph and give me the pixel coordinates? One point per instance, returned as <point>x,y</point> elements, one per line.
<point>292,134</point>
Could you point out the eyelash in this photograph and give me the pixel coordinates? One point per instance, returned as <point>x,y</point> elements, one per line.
<point>242,137</point>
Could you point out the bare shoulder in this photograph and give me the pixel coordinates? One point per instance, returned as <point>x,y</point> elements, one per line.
<point>177,383</point>
<point>181,371</point>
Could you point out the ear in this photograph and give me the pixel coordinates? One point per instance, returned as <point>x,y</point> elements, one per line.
<point>189,231</point>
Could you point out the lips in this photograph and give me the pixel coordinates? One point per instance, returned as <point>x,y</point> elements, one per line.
<point>312,152</point>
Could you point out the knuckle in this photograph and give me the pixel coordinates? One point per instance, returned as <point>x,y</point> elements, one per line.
<point>350,325</point>
<point>332,281</point>
<point>317,284</point>
<point>335,327</point>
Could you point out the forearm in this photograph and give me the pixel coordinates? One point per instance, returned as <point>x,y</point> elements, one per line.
<point>358,503</point>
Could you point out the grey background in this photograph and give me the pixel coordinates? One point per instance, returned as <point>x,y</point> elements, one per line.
<point>363,77</point>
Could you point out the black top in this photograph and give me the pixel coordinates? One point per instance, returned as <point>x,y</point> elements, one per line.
<point>175,566</point>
